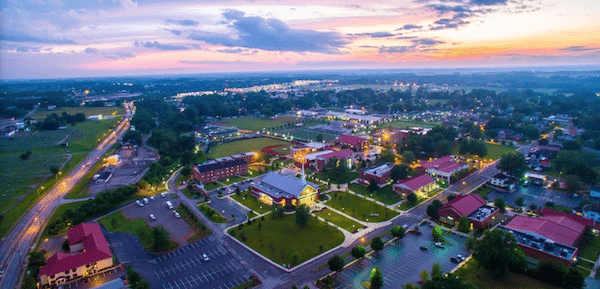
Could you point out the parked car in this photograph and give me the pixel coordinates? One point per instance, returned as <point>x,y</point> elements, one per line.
<point>163,194</point>
<point>152,198</point>
<point>439,245</point>
<point>454,260</point>
<point>205,257</point>
<point>146,200</point>
<point>169,205</point>
<point>460,257</point>
<point>177,215</point>
<point>423,248</point>
<point>139,203</point>
<point>152,217</point>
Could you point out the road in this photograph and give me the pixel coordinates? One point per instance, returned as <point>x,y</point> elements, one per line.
<point>15,246</point>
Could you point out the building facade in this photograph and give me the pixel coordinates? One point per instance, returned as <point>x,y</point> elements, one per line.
<point>381,174</point>
<point>443,168</point>
<point>280,190</point>
<point>503,181</point>
<point>222,168</point>
<point>420,185</point>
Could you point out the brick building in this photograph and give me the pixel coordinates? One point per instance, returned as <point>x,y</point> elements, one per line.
<point>381,174</point>
<point>222,168</point>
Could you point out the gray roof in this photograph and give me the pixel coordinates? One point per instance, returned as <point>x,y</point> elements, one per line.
<point>279,185</point>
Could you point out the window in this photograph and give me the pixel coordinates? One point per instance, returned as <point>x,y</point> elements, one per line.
<point>74,270</point>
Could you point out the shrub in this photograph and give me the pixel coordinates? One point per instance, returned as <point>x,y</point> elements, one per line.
<point>358,251</point>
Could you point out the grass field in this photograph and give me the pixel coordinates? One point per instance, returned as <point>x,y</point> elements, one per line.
<point>117,222</point>
<point>211,214</point>
<point>480,279</point>
<point>402,124</point>
<point>348,177</point>
<point>251,202</point>
<point>496,151</point>
<point>483,191</point>
<point>308,135</point>
<point>339,220</point>
<point>232,180</point>
<point>60,210</point>
<point>592,250</point>
<point>359,208</point>
<point>104,111</point>
<point>385,195</point>
<point>279,239</point>
<point>255,123</point>
<point>242,146</point>
<point>405,206</point>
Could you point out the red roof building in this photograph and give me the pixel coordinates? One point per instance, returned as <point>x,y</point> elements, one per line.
<point>473,206</point>
<point>381,174</point>
<point>89,254</point>
<point>345,155</point>
<point>443,168</point>
<point>419,185</point>
<point>355,142</point>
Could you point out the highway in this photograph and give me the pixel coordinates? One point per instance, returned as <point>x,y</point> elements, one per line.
<point>24,235</point>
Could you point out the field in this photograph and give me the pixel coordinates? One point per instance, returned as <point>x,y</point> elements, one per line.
<point>402,124</point>
<point>41,114</point>
<point>251,202</point>
<point>360,208</point>
<point>496,151</point>
<point>308,135</point>
<point>255,123</point>
<point>405,206</point>
<point>339,220</point>
<point>117,222</point>
<point>591,250</point>
<point>385,195</point>
<point>482,280</point>
<point>242,146</point>
<point>279,239</point>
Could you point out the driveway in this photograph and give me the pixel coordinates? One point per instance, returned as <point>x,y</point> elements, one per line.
<point>402,261</point>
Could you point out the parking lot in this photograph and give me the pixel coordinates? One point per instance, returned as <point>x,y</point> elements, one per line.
<point>178,229</point>
<point>185,267</point>
<point>535,195</point>
<point>403,261</point>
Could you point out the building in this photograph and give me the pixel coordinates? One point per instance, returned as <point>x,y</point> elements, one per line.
<point>212,171</point>
<point>89,255</point>
<point>595,192</point>
<point>536,179</point>
<point>553,236</point>
<point>381,174</point>
<point>105,175</point>
<point>443,168</point>
<point>508,134</point>
<point>420,185</point>
<point>503,181</point>
<point>473,206</point>
<point>345,156</point>
<point>389,137</point>
<point>354,142</point>
<point>280,190</point>
<point>592,212</point>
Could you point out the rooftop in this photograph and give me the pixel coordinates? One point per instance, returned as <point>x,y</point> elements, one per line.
<point>556,228</point>
<point>380,170</point>
<point>444,164</point>
<point>540,243</point>
<point>351,140</point>
<point>417,182</point>
<point>341,154</point>
<point>482,213</point>
<point>465,204</point>
<point>278,185</point>
<point>215,165</point>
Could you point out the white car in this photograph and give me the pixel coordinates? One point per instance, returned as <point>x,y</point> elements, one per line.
<point>139,203</point>
<point>152,217</point>
<point>146,200</point>
<point>205,257</point>
<point>152,198</point>
<point>163,194</point>
<point>177,215</point>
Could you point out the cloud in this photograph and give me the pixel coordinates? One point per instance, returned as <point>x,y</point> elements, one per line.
<point>14,37</point>
<point>27,49</point>
<point>488,2</point>
<point>426,42</point>
<point>409,27</point>
<point>128,4</point>
<point>218,62</point>
<point>241,51</point>
<point>579,48</point>
<point>381,34</point>
<point>270,34</point>
<point>418,44</point>
<point>121,55</point>
<point>160,46</point>
<point>443,9</point>
<point>396,49</point>
<point>185,22</point>
<point>175,31</point>
<point>91,50</point>
<point>56,3</point>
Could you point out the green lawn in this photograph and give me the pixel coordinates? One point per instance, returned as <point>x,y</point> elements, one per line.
<point>279,239</point>
<point>255,123</point>
<point>7,203</point>
<point>402,124</point>
<point>104,111</point>
<point>117,222</point>
<point>251,202</point>
<point>309,135</point>
<point>58,212</point>
<point>339,220</point>
<point>211,214</point>
<point>385,194</point>
<point>480,279</point>
<point>242,146</point>
<point>352,175</point>
<point>592,250</point>
<point>211,186</point>
<point>231,180</point>
<point>496,151</point>
<point>360,208</point>
<point>483,191</point>
<point>408,205</point>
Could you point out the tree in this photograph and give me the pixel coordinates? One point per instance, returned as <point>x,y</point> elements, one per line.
<point>26,155</point>
<point>412,197</point>
<point>543,142</point>
<point>398,232</point>
<point>373,187</point>
<point>433,212</point>
<point>294,286</point>
<point>436,233</point>
<point>320,137</point>
<point>161,239</point>
<point>358,251</point>
<point>187,158</point>
<point>54,170</point>
<point>513,163</point>
<point>65,245</point>
<point>573,279</point>
<point>134,136</point>
<point>424,275</point>
<point>302,215</point>
<point>437,203</point>
<point>400,172</point>
<point>451,197</point>
<point>377,244</point>
<point>386,156</point>
<point>436,270</point>
<point>550,272</point>
<point>376,278</point>
<point>572,183</point>
<point>336,263</point>
<point>464,225</point>
<point>497,253</point>
<point>520,202</point>
<point>566,160</point>
<point>499,202</point>
<point>533,206</point>
<point>447,282</point>
<point>571,145</point>
<point>408,157</point>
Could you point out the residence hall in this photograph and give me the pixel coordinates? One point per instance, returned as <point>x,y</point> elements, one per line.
<point>89,255</point>
<point>471,205</point>
<point>420,185</point>
<point>553,236</point>
<point>318,160</point>
<point>381,174</point>
<point>222,168</point>
<point>282,190</point>
<point>443,168</point>
<point>354,142</point>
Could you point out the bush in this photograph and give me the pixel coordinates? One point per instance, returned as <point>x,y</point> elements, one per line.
<point>358,251</point>
<point>377,244</point>
<point>336,263</point>
<point>398,232</point>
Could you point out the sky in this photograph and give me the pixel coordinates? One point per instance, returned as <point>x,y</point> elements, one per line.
<point>93,38</point>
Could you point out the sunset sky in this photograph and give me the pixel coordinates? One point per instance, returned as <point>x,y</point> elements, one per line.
<point>78,38</point>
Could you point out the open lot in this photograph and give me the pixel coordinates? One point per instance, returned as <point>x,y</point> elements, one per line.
<point>88,111</point>
<point>242,146</point>
<point>385,195</point>
<point>339,220</point>
<point>278,239</point>
<point>359,208</point>
<point>402,261</point>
